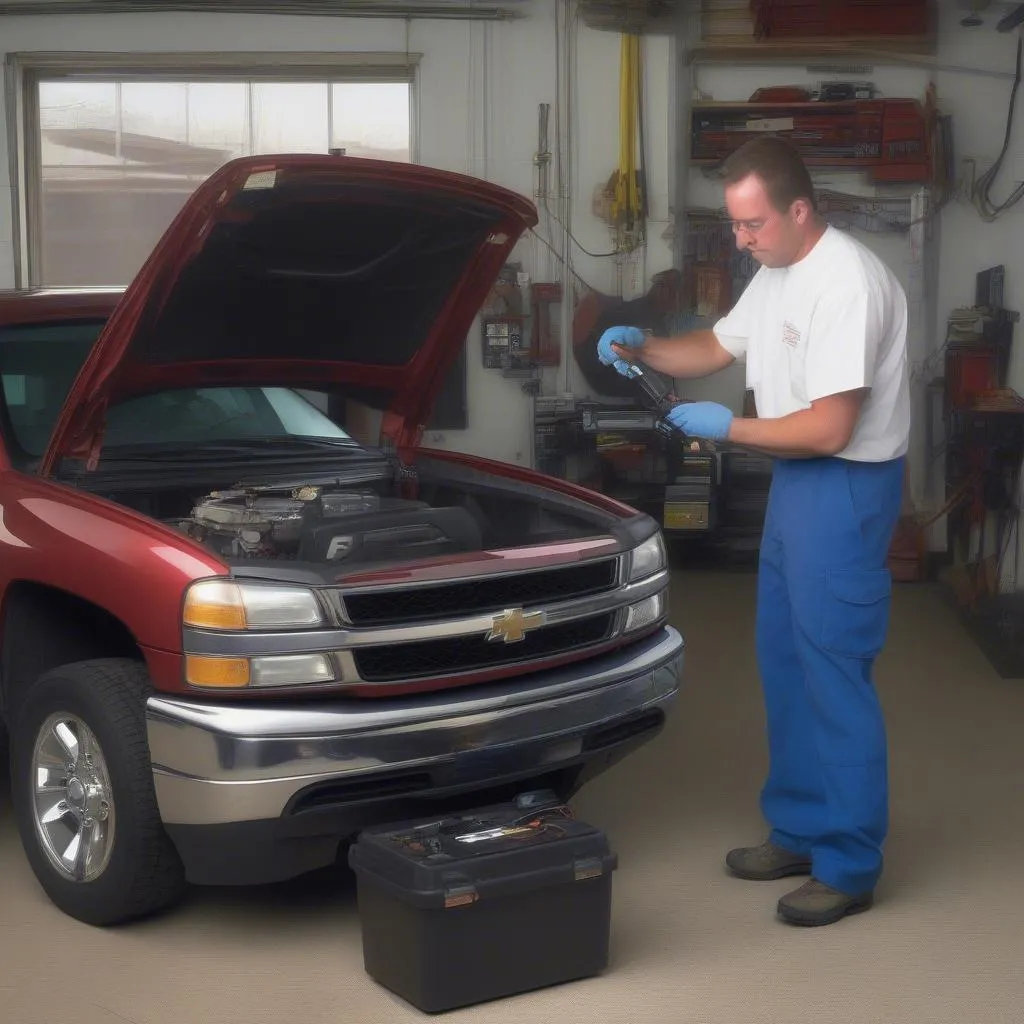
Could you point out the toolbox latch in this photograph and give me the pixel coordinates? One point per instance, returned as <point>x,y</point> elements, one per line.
<point>460,896</point>
<point>588,867</point>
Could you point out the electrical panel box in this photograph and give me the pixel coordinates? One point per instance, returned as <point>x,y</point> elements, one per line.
<point>503,344</point>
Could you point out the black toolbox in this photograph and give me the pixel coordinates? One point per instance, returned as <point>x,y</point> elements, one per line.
<point>482,905</point>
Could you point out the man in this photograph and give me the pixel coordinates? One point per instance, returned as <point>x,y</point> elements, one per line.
<point>822,327</point>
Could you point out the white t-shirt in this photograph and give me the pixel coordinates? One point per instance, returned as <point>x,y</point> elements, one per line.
<point>836,321</point>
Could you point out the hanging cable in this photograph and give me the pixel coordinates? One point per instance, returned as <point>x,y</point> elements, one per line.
<point>626,199</point>
<point>579,245</point>
<point>627,206</point>
<point>981,193</point>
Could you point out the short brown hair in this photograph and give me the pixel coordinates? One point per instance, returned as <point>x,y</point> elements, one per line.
<point>779,166</point>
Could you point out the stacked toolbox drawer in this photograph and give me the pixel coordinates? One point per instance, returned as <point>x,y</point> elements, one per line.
<point>805,19</point>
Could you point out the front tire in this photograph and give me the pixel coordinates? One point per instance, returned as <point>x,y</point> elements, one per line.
<point>83,796</point>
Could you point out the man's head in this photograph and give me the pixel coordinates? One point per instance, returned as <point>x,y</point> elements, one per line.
<point>770,199</point>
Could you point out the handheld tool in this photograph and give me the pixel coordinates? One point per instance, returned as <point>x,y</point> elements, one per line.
<point>659,396</point>
<point>664,400</point>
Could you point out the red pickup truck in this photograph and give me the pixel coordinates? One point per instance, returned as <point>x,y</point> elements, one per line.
<point>231,635</point>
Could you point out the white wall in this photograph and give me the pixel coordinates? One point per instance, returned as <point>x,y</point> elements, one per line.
<point>974,79</point>
<point>478,93</point>
<point>979,104</point>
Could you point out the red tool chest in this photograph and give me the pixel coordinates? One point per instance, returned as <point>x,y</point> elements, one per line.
<point>888,137</point>
<point>802,19</point>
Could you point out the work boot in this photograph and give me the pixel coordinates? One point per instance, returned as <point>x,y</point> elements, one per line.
<point>766,862</point>
<point>816,903</point>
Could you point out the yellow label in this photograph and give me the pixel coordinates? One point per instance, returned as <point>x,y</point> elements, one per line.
<point>686,515</point>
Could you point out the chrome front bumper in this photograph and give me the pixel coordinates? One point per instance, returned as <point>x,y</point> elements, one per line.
<point>215,764</point>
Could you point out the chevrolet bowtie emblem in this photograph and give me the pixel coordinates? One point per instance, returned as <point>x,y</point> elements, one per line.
<point>512,625</point>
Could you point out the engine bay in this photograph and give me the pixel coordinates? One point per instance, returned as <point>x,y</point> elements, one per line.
<point>323,525</point>
<point>328,515</point>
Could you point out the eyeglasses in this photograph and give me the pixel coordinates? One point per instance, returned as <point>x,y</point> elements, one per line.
<point>751,227</point>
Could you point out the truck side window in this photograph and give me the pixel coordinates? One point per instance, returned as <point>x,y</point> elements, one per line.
<point>38,365</point>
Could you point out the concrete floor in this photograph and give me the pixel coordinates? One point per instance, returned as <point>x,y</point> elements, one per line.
<point>943,943</point>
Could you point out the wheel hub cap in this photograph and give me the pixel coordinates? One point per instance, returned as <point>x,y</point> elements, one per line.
<point>72,798</point>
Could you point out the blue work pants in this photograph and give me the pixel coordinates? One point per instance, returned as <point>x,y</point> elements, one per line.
<point>824,595</point>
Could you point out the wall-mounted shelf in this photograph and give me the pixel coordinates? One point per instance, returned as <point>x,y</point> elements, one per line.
<point>810,161</point>
<point>782,109</point>
<point>875,51</point>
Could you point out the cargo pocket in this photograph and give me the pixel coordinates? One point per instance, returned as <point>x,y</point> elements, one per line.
<point>855,616</point>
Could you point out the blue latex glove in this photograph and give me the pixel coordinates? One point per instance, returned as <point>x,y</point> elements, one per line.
<point>701,419</point>
<point>624,337</point>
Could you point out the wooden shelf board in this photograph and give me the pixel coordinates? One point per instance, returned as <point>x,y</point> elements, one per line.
<point>798,105</point>
<point>880,49</point>
<point>811,161</point>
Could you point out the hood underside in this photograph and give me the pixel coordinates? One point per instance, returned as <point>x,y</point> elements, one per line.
<point>310,271</point>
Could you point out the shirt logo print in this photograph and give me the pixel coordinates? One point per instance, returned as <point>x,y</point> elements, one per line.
<point>790,335</point>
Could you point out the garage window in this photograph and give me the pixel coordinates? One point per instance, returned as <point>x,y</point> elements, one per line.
<point>113,149</point>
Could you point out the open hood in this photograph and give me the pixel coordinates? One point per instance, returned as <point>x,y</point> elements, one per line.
<point>305,271</point>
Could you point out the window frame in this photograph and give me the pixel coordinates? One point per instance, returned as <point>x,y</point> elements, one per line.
<point>25,71</point>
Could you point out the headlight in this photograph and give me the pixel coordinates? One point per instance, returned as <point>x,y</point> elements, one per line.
<point>647,558</point>
<point>224,604</point>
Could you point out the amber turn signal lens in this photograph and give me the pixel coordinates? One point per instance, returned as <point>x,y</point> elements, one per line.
<point>215,604</point>
<point>222,673</point>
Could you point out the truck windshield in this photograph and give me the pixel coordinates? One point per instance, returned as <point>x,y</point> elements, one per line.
<point>39,363</point>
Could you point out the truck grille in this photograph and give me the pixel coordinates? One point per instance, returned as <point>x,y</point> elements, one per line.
<point>469,597</point>
<point>454,655</point>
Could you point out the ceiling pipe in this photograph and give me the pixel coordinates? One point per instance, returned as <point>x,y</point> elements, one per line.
<point>307,8</point>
